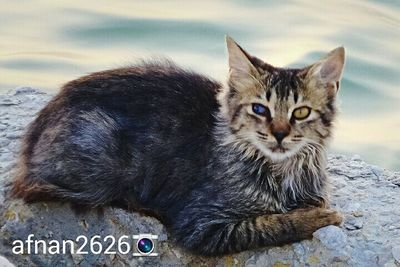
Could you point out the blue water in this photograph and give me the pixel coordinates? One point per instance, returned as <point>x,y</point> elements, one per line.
<point>46,43</point>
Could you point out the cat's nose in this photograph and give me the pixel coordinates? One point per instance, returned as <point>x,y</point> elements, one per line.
<point>280,130</point>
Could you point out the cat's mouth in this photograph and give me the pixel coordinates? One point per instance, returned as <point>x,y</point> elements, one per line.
<point>279,149</point>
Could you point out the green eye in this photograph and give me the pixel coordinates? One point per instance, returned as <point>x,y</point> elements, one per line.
<point>301,113</point>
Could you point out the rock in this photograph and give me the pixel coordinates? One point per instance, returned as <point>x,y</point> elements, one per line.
<point>376,170</point>
<point>8,102</point>
<point>396,253</point>
<point>13,135</point>
<point>334,240</point>
<point>356,158</point>
<point>332,237</point>
<point>368,196</point>
<point>24,90</point>
<point>5,263</point>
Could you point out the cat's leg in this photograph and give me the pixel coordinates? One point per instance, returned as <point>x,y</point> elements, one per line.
<point>219,236</point>
<point>321,202</point>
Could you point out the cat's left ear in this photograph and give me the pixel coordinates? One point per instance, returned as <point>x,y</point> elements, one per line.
<point>328,70</point>
<point>242,72</point>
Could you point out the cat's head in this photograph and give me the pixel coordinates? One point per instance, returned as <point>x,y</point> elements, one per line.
<point>280,112</point>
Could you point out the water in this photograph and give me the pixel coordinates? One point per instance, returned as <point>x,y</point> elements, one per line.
<point>46,43</point>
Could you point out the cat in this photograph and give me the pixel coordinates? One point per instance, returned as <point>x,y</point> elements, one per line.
<point>225,168</point>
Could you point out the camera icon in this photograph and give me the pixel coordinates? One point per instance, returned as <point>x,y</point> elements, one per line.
<point>146,245</point>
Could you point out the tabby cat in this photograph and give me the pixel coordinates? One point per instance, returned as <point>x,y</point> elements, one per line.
<point>225,168</point>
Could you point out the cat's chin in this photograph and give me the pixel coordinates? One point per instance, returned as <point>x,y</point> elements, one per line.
<point>278,153</point>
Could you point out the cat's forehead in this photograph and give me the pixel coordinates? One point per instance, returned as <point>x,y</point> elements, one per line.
<point>282,83</point>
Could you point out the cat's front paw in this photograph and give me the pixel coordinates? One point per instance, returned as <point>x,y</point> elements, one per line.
<point>311,219</point>
<point>325,217</point>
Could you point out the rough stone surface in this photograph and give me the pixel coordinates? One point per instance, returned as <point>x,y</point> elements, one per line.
<point>4,262</point>
<point>368,196</point>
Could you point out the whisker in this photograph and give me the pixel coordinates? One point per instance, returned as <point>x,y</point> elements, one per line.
<point>261,133</point>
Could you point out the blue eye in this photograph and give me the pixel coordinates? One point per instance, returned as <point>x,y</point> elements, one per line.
<point>260,109</point>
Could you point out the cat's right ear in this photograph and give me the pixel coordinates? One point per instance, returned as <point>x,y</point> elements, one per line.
<point>328,70</point>
<point>242,73</point>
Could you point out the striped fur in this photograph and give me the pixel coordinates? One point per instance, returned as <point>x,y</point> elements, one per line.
<point>156,138</point>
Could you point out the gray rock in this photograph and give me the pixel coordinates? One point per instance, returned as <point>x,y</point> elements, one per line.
<point>396,253</point>
<point>367,195</point>
<point>332,237</point>
<point>334,242</point>
<point>376,170</point>
<point>354,222</point>
<point>24,90</point>
<point>5,263</point>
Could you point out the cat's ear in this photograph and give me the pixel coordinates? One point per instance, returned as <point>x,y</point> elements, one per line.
<point>242,73</point>
<point>328,70</point>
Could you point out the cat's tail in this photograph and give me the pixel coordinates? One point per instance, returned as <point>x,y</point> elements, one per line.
<point>221,236</point>
<point>70,156</point>
<point>22,186</point>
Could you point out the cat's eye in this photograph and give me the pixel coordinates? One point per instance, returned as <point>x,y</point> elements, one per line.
<point>260,109</point>
<point>301,113</point>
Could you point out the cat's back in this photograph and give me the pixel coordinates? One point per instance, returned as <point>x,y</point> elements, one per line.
<point>155,99</point>
<point>159,86</point>
<point>147,100</point>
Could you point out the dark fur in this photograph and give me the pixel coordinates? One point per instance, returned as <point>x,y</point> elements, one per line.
<point>145,137</point>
